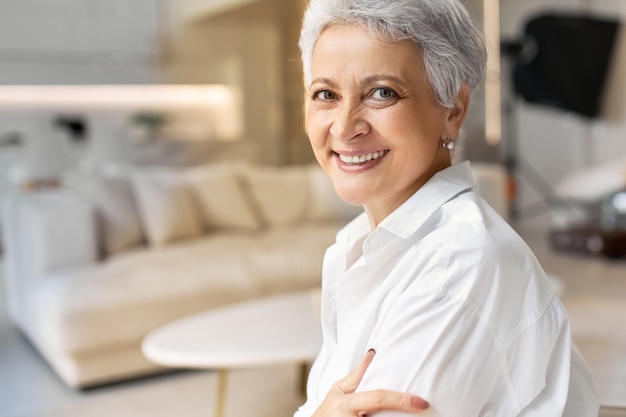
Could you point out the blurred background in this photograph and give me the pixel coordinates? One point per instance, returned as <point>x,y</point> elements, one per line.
<point>178,83</point>
<point>245,52</point>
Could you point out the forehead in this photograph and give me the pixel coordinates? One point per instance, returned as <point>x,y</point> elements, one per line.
<point>353,48</point>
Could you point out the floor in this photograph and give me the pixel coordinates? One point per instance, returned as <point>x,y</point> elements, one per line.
<point>594,293</point>
<point>28,388</point>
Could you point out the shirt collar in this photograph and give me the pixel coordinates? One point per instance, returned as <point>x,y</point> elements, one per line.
<point>442,187</point>
<point>406,219</point>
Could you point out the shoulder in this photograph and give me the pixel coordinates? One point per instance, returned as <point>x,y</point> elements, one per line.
<point>481,260</point>
<point>467,229</point>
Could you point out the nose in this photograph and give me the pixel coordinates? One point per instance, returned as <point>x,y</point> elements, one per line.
<point>349,122</point>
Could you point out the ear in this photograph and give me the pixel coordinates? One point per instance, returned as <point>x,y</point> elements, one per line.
<point>456,115</point>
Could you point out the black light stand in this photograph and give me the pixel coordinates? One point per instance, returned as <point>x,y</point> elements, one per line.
<point>517,168</point>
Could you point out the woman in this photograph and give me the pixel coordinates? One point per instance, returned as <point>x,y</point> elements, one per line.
<point>455,306</point>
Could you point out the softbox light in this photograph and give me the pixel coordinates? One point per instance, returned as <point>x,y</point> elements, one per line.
<point>563,60</point>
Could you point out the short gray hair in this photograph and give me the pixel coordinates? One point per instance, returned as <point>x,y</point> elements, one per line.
<point>453,48</point>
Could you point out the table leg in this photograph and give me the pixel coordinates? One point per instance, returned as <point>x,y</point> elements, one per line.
<point>304,376</point>
<point>222,382</point>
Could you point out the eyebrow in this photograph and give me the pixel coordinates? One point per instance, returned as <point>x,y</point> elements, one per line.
<point>365,81</point>
<point>381,77</point>
<point>323,81</point>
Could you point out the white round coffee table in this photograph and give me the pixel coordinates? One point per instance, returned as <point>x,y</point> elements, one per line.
<point>278,329</point>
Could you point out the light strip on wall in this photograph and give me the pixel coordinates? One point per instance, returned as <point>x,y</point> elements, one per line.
<point>493,106</point>
<point>113,95</point>
<point>214,105</point>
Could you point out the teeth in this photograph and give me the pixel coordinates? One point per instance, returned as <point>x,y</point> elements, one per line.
<point>360,159</point>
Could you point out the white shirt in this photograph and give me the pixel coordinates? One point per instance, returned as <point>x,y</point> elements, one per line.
<point>457,308</point>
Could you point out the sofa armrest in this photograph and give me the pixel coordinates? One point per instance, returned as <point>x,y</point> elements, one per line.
<point>46,231</point>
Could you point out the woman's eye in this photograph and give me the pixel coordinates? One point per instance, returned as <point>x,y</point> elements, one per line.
<point>325,95</point>
<point>383,93</point>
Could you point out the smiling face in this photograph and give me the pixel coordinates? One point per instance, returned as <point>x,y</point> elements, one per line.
<point>374,123</point>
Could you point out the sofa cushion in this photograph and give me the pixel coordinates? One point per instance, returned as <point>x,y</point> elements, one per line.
<point>291,257</point>
<point>281,193</point>
<point>167,209</point>
<point>120,300</point>
<point>221,196</point>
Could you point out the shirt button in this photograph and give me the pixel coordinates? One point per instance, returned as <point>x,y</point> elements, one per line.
<point>374,241</point>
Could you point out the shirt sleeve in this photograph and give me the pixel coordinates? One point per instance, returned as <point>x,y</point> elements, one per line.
<point>305,410</point>
<point>313,380</point>
<point>310,406</point>
<point>440,347</point>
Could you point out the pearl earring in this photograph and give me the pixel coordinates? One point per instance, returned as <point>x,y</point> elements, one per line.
<point>448,143</point>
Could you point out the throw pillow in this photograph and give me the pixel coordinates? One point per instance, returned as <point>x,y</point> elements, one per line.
<point>223,202</point>
<point>167,209</point>
<point>117,218</point>
<point>281,193</point>
<point>326,205</point>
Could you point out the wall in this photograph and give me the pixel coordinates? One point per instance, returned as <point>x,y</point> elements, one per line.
<point>79,41</point>
<point>72,42</point>
<point>252,46</point>
<point>242,54</point>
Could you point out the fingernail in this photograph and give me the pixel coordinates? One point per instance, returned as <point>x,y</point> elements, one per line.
<point>371,350</point>
<point>419,403</point>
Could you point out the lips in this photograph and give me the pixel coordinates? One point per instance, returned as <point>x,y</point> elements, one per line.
<point>363,158</point>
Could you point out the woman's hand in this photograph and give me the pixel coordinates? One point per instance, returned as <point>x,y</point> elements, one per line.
<point>342,401</point>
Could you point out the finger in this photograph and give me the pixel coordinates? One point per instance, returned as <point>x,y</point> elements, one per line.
<point>378,400</point>
<point>351,381</point>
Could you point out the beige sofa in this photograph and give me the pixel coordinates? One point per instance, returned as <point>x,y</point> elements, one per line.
<point>93,267</point>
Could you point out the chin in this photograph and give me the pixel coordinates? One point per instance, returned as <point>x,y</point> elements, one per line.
<point>350,195</point>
